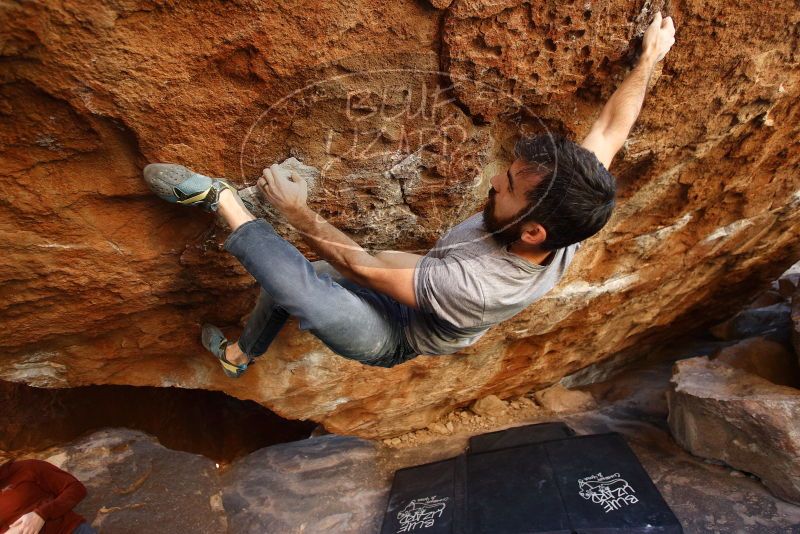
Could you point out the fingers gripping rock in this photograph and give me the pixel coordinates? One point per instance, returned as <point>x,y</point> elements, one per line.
<point>259,206</point>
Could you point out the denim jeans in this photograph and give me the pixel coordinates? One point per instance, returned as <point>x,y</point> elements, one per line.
<point>353,321</point>
<point>84,528</point>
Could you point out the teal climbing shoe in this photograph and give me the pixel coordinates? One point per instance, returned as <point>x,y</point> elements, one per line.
<point>215,342</point>
<point>177,184</point>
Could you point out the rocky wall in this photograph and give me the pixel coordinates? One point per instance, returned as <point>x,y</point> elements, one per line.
<point>407,108</point>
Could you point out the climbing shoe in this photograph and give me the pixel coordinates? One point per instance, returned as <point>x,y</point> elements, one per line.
<point>215,342</point>
<point>176,183</point>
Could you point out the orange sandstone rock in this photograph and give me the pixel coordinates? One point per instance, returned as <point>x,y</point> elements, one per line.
<point>404,108</point>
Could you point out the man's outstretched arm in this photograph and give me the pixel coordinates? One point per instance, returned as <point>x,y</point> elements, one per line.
<point>388,272</point>
<point>612,127</point>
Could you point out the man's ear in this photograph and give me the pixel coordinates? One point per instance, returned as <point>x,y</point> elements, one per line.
<point>533,233</point>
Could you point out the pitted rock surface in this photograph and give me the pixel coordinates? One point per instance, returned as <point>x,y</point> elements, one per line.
<point>104,283</point>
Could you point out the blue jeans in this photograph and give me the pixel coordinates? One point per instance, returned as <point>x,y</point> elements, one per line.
<point>353,321</point>
<point>84,528</point>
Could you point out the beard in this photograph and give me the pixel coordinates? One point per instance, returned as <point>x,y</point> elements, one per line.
<point>504,231</point>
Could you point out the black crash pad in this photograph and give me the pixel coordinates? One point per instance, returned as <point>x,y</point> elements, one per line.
<point>597,480</point>
<point>582,484</point>
<point>606,489</point>
<point>520,435</point>
<point>427,498</point>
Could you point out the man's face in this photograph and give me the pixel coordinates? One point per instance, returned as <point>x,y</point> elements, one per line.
<point>507,202</point>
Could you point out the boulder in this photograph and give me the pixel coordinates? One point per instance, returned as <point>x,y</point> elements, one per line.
<point>440,428</point>
<point>326,484</point>
<point>407,111</point>
<point>340,484</point>
<point>796,323</point>
<point>488,406</point>
<point>789,281</point>
<point>774,319</point>
<point>726,414</point>
<point>767,298</point>
<point>763,357</point>
<point>136,485</point>
<point>788,284</point>
<point>559,399</point>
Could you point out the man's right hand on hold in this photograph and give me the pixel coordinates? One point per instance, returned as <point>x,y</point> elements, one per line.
<point>286,191</point>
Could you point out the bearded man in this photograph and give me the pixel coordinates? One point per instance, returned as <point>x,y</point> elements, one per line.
<point>387,308</point>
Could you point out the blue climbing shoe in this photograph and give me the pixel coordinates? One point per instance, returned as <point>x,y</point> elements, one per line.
<point>177,184</point>
<point>215,342</point>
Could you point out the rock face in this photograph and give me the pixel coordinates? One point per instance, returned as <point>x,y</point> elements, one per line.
<point>490,405</point>
<point>765,358</point>
<point>558,399</point>
<point>134,484</point>
<point>775,318</point>
<point>751,424</point>
<point>341,484</point>
<point>328,484</point>
<point>796,322</point>
<point>407,110</point>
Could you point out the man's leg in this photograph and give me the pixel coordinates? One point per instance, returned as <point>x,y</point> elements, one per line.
<point>265,315</point>
<point>352,324</point>
<point>232,210</point>
<point>263,324</point>
<point>266,320</point>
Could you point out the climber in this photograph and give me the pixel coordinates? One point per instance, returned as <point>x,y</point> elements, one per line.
<point>386,308</point>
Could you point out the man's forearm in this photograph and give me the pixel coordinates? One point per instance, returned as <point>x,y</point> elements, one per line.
<point>330,243</point>
<point>622,109</point>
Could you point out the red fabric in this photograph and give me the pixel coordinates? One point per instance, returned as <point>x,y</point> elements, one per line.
<point>34,485</point>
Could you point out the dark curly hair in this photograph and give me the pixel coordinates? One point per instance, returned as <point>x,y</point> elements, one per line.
<point>575,196</point>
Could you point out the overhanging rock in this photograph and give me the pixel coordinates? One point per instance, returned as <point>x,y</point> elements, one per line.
<point>103,283</point>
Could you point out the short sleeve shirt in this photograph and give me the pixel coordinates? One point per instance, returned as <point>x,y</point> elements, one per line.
<point>468,282</point>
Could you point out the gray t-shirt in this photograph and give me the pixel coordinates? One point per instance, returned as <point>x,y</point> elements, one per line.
<point>468,282</point>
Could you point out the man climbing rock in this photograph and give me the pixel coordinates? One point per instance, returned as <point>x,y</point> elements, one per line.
<point>386,308</point>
